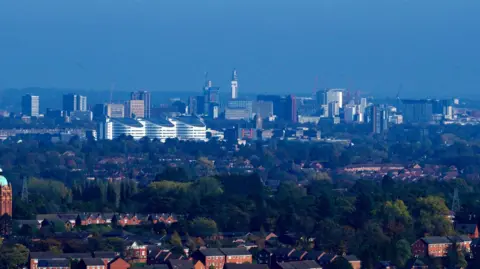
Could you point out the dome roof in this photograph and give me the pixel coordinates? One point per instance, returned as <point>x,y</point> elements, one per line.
<point>3,181</point>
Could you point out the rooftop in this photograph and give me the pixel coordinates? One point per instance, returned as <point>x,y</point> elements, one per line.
<point>211,252</point>
<point>235,252</point>
<point>93,262</point>
<point>128,122</point>
<point>54,263</point>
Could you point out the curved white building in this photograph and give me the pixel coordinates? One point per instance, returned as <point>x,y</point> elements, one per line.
<point>190,128</point>
<point>184,128</point>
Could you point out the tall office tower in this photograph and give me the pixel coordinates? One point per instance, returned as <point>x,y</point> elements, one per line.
<point>417,111</point>
<point>378,119</point>
<point>278,108</point>
<point>349,113</point>
<point>333,109</point>
<point>200,101</point>
<point>31,105</point>
<point>234,85</point>
<point>335,95</point>
<point>70,102</point>
<point>135,109</point>
<point>146,98</point>
<point>322,97</point>
<point>192,105</point>
<point>363,105</point>
<point>291,109</point>
<point>263,108</point>
<point>81,103</point>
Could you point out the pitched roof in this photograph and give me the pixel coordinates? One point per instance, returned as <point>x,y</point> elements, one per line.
<point>327,258</point>
<point>299,265</point>
<point>105,254</point>
<point>351,258</point>
<point>235,251</point>
<point>93,262</point>
<point>459,238</point>
<point>298,254</point>
<point>313,255</point>
<point>465,228</point>
<point>180,264</point>
<point>54,263</point>
<point>211,252</point>
<point>436,240</point>
<point>121,261</point>
<point>44,255</point>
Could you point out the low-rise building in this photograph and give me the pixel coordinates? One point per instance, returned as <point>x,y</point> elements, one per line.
<point>237,255</point>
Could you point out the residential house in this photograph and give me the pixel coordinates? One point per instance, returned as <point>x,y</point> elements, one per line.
<point>136,252</point>
<point>185,264</point>
<point>462,241</point>
<point>272,256</point>
<point>118,263</point>
<point>210,257</point>
<point>471,230</point>
<point>236,255</point>
<point>105,256</point>
<point>162,217</point>
<point>53,264</point>
<point>35,257</point>
<point>92,263</point>
<point>92,218</point>
<point>433,246</point>
<point>297,265</point>
<point>126,219</point>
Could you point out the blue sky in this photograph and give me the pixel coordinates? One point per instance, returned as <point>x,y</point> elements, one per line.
<point>431,47</point>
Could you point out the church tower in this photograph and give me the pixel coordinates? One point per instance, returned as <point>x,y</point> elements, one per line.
<point>5,196</point>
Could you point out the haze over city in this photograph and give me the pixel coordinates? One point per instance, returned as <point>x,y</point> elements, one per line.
<point>429,47</point>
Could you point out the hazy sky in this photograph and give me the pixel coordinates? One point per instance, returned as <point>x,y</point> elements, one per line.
<point>429,46</point>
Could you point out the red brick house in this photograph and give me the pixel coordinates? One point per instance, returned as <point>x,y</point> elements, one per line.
<point>105,256</point>
<point>210,257</point>
<point>127,219</point>
<point>433,246</point>
<point>118,263</point>
<point>36,257</point>
<point>236,255</point>
<point>471,230</point>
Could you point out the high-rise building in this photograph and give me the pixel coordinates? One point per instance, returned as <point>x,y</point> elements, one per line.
<point>333,109</point>
<point>276,100</point>
<point>263,108</point>
<point>135,109</point>
<point>417,111</point>
<point>335,95</point>
<point>349,112</point>
<point>31,105</point>
<point>192,105</point>
<point>200,102</point>
<point>146,98</point>
<point>234,85</point>
<point>322,98</point>
<point>291,109</point>
<point>5,196</point>
<point>379,119</point>
<point>81,103</point>
<point>73,102</point>
<point>115,110</point>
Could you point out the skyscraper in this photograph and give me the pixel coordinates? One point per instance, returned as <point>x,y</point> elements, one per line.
<point>31,105</point>
<point>146,98</point>
<point>234,85</point>
<point>69,102</point>
<point>81,103</point>
<point>291,109</point>
<point>417,111</point>
<point>378,119</point>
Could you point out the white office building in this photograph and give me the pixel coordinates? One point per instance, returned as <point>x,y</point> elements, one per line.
<point>335,95</point>
<point>184,128</point>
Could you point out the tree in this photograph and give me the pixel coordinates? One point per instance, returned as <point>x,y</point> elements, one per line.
<point>339,263</point>
<point>175,239</point>
<point>13,256</point>
<point>203,227</point>
<point>5,224</point>
<point>402,253</point>
<point>432,212</point>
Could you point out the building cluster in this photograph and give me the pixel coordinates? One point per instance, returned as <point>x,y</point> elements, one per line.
<point>138,117</point>
<point>71,220</point>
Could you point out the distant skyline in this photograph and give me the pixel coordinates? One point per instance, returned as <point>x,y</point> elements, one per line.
<point>277,46</point>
